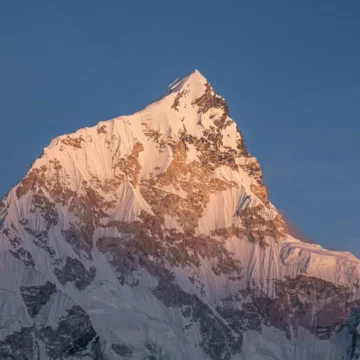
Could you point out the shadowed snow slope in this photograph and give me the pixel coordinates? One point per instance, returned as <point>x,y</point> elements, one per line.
<point>151,236</point>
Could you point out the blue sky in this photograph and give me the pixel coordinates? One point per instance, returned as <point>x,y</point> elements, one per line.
<point>288,69</point>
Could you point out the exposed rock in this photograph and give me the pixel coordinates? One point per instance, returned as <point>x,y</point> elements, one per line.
<point>74,336</point>
<point>157,352</point>
<point>314,304</point>
<point>102,130</point>
<point>196,181</point>
<point>122,350</point>
<point>210,100</point>
<point>129,165</point>
<point>3,213</point>
<point>261,192</point>
<point>80,240</point>
<point>355,346</point>
<point>40,239</point>
<point>20,345</point>
<point>142,240</point>
<point>18,250</point>
<point>46,208</point>
<point>178,96</point>
<point>89,207</point>
<point>36,178</point>
<point>74,271</point>
<point>108,186</point>
<point>156,136</point>
<point>240,144</point>
<point>35,297</point>
<point>257,226</point>
<point>75,142</point>
<point>2,205</point>
<point>23,255</point>
<point>218,340</point>
<point>55,185</point>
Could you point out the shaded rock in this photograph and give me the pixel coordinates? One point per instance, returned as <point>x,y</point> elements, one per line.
<point>20,345</point>
<point>79,239</point>
<point>23,255</point>
<point>218,340</point>
<point>74,271</point>
<point>37,296</point>
<point>122,350</point>
<point>74,336</point>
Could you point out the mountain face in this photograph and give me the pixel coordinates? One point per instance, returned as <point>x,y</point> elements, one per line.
<point>151,236</point>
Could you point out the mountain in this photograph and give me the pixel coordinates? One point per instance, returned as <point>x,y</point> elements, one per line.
<point>151,236</point>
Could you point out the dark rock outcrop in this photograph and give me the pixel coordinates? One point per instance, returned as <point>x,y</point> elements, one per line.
<point>37,296</point>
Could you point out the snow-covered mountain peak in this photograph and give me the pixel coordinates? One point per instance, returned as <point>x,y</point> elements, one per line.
<point>151,236</point>
<point>194,80</point>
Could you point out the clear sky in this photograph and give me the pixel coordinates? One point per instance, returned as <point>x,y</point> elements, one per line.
<point>290,71</point>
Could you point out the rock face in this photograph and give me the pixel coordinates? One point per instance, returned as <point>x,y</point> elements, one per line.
<point>151,236</point>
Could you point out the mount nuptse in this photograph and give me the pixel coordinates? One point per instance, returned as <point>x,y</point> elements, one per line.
<point>151,236</point>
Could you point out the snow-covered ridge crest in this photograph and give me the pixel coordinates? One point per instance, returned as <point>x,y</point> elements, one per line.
<point>151,236</point>
<point>194,79</point>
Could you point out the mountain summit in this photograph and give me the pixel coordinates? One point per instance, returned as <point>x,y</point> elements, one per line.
<point>194,79</point>
<point>151,236</point>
